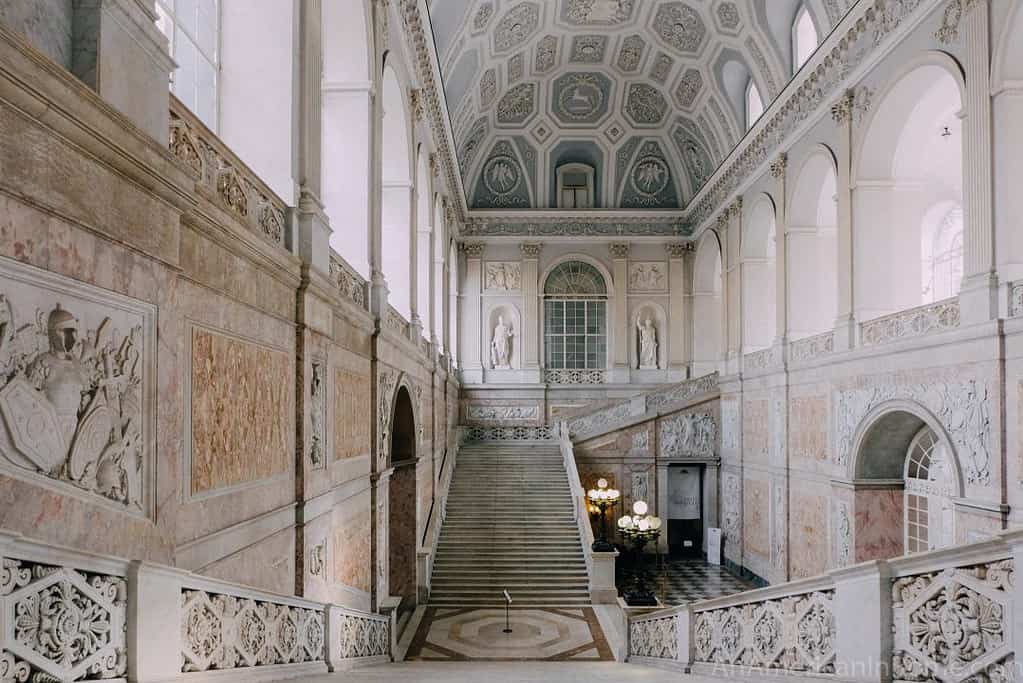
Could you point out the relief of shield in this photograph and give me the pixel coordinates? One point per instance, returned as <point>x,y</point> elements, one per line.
<point>91,438</point>
<point>33,425</point>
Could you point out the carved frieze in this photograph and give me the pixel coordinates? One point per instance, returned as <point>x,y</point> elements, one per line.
<point>317,415</point>
<point>648,276</point>
<point>962,406</point>
<point>486,413</point>
<point>842,532</point>
<point>503,276</point>
<point>76,386</point>
<point>692,435</point>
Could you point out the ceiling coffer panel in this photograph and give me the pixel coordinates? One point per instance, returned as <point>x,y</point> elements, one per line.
<point>642,79</point>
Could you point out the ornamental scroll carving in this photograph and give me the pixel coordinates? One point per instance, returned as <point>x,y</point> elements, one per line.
<point>317,415</point>
<point>65,624</point>
<point>692,435</point>
<point>962,406</point>
<point>221,632</point>
<point>954,624</point>
<point>503,413</point>
<point>794,633</point>
<point>364,637</point>
<point>74,385</point>
<point>655,638</point>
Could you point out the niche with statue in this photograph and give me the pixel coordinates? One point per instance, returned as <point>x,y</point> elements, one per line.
<point>649,337</point>
<point>503,335</point>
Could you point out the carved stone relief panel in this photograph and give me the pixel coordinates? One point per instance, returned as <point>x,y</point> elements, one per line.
<point>779,516</point>
<point>648,276</point>
<point>503,276</point>
<point>640,443</point>
<point>351,423</point>
<point>641,487</point>
<point>503,414</point>
<point>731,504</point>
<point>755,428</point>
<point>691,435</point>
<point>778,426</point>
<point>317,415</point>
<point>964,407</point>
<point>241,410</point>
<point>77,387</point>
<point>841,532</point>
<point>730,426</point>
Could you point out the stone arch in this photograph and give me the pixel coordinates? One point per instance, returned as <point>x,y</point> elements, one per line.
<point>811,245</point>
<point>708,305</point>
<point>909,156</point>
<point>596,263</point>
<point>402,500</point>
<point>877,469</point>
<point>759,279</point>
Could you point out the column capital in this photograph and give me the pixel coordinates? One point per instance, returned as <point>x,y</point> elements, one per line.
<point>678,250</point>
<point>472,249</point>
<point>530,249</point>
<point>735,208</point>
<point>619,250</point>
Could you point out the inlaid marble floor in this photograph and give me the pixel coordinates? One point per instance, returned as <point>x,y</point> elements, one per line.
<point>678,582</point>
<point>510,672</point>
<point>554,634</point>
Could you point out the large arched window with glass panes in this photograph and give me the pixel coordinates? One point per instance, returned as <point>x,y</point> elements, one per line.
<point>575,317</point>
<point>929,487</point>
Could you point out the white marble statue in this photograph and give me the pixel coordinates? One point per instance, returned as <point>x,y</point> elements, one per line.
<point>500,345</point>
<point>647,345</point>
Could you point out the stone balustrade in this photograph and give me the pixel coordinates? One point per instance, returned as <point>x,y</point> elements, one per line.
<point>945,615</point>
<point>809,348</point>
<point>574,376</point>
<point>349,283</point>
<point>914,322</point>
<point>760,361</point>
<point>397,324</point>
<point>79,616</point>
<point>224,179</point>
<point>1016,299</point>
<point>535,433</point>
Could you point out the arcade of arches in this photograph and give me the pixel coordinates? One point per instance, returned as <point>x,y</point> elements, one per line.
<point>272,273</point>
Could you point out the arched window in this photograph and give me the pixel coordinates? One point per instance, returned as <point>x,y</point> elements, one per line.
<point>804,38</point>
<point>754,104</point>
<point>192,28</point>
<point>575,318</point>
<point>942,252</point>
<point>929,512</point>
<point>575,186</point>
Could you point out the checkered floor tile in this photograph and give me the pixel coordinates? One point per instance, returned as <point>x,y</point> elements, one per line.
<point>678,582</point>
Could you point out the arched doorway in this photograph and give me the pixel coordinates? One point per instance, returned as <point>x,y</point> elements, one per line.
<point>906,477</point>
<point>401,511</point>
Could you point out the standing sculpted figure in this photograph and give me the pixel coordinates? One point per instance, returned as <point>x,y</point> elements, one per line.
<point>500,345</point>
<point>647,345</point>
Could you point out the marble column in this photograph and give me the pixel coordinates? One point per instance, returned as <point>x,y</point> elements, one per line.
<point>530,313</point>
<point>118,51</point>
<point>679,305</point>
<point>312,225</point>
<point>377,282</point>
<point>732,291</point>
<point>779,169</point>
<point>845,323</point>
<point>471,327</point>
<point>620,305</point>
<point>979,294</point>
<point>661,506</point>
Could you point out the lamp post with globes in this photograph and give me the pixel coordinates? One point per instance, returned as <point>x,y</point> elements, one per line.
<point>603,499</point>
<point>640,528</point>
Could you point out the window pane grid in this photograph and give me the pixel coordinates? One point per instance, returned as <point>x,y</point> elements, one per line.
<point>575,334</point>
<point>192,28</point>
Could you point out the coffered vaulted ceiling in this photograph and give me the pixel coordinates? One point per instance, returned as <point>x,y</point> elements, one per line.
<point>649,92</point>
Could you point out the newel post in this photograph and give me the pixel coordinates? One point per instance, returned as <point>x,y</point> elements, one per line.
<point>154,623</point>
<point>863,622</point>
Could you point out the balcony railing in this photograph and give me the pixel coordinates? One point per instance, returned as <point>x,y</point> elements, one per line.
<point>228,181</point>
<point>808,348</point>
<point>574,376</point>
<point>397,324</point>
<point>348,282</point>
<point>915,322</point>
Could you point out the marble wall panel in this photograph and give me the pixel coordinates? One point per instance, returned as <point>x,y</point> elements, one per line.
<point>351,539</point>
<point>241,412</point>
<point>756,527</point>
<point>402,516</point>
<point>353,427</point>
<point>44,23</point>
<point>268,564</point>
<point>756,432</point>
<point>808,534</point>
<point>808,428</point>
<point>879,526</point>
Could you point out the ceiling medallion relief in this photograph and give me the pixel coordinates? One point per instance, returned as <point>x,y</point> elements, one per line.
<point>631,54</point>
<point>581,98</point>
<point>517,106</point>
<point>588,49</point>
<point>645,106</point>
<point>597,12</point>
<point>516,26</point>
<point>680,27</point>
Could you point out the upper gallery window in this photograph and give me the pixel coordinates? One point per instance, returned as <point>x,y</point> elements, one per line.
<point>754,104</point>
<point>942,254</point>
<point>193,29</point>
<point>575,318</point>
<point>804,38</point>
<point>575,186</point>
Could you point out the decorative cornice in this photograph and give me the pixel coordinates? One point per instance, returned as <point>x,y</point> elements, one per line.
<point>619,250</point>
<point>841,111</point>
<point>604,224</point>
<point>530,249</point>
<point>735,208</point>
<point>435,169</point>
<point>472,249</point>
<point>779,165</point>
<point>415,98</point>
<point>678,249</point>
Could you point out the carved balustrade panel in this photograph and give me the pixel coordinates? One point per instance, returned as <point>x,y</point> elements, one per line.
<point>574,376</point>
<point>654,638</point>
<point>364,636</point>
<point>792,633</point>
<point>916,322</point>
<point>955,624</point>
<point>808,348</point>
<point>220,632</point>
<point>475,434</point>
<point>349,283</point>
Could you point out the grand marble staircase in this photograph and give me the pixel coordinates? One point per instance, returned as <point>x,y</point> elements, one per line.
<point>510,526</point>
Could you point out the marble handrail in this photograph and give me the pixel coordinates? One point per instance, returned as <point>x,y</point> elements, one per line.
<point>349,283</point>
<point>939,316</point>
<point>148,623</point>
<point>819,627</point>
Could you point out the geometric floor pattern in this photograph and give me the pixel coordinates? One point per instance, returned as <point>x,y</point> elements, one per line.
<point>679,582</point>
<point>538,634</point>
